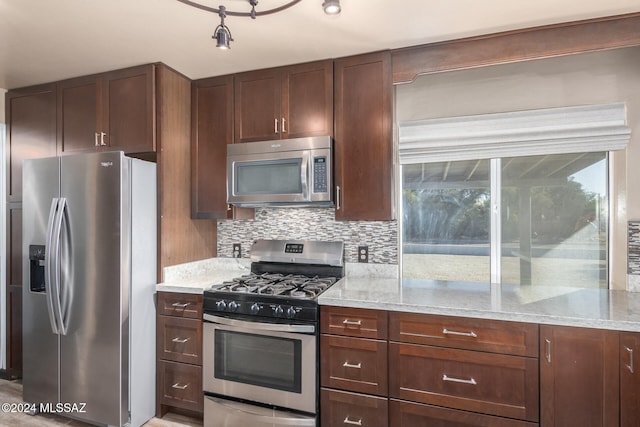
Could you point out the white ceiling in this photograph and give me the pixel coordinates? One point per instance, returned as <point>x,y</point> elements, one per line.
<point>48,40</point>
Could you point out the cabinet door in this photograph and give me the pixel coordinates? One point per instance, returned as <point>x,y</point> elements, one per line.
<point>128,109</point>
<point>31,131</point>
<point>363,138</point>
<point>211,131</point>
<point>257,97</point>
<point>629,379</point>
<point>307,100</point>
<point>78,109</point>
<point>579,377</point>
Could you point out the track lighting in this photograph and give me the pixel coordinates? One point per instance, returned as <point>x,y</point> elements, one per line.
<point>222,34</point>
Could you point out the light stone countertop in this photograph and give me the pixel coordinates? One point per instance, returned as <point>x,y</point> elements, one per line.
<point>590,308</point>
<point>195,277</point>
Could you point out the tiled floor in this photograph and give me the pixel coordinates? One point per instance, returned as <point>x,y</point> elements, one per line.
<point>11,392</point>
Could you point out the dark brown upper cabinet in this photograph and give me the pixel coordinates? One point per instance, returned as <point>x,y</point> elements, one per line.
<point>211,131</point>
<point>363,138</point>
<point>285,102</point>
<point>108,111</point>
<point>31,131</point>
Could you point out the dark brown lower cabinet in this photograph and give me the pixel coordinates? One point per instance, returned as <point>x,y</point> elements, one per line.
<point>181,385</point>
<point>579,377</point>
<point>179,353</point>
<point>345,408</point>
<point>489,383</point>
<point>410,414</point>
<point>629,379</point>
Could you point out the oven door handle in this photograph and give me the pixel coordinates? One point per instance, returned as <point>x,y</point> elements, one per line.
<point>275,327</point>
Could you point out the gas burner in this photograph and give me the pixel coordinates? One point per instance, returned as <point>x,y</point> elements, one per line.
<point>302,293</point>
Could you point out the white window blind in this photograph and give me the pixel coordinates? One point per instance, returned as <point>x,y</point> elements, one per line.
<point>577,129</point>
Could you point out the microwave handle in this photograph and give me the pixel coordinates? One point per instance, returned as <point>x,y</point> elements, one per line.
<point>304,175</point>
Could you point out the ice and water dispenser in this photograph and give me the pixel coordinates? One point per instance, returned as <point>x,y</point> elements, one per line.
<point>36,268</point>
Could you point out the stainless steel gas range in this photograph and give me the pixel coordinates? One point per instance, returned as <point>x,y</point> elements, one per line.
<point>260,365</point>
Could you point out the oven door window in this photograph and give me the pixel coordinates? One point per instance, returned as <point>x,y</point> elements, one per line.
<point>260,360</point>
<point>269,177</point>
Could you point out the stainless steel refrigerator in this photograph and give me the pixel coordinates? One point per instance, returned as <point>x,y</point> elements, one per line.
<point>89,268</point>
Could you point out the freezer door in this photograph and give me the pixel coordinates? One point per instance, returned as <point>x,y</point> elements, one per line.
<point>93,351</point>
<point>40,346</point>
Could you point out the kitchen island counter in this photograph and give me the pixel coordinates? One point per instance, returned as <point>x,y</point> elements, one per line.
<point>568,306</point>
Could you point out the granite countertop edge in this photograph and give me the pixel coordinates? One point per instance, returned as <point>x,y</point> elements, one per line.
<point>562,306</point>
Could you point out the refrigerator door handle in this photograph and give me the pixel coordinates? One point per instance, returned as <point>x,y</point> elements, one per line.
<point>54,265</point>
<point>49,263</point>
<point>63,258</point>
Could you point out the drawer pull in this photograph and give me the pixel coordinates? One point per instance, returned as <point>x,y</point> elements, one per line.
<point>180,305</point>
<point>180,387</point>
<point>463,334</point>
<point>349,365</point>
<point>547,350</point>
<point>630,365</point>
<point>471,381</point>
<point>180,340</point>
<point>353,423</point>
<point>347,322</point>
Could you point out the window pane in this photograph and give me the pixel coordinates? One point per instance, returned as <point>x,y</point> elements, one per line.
<point>445,225</point>
<point>554,220</point>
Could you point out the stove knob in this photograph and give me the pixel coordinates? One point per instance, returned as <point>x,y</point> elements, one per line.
<point>278,311</point>
<point>233,306</point>
<point>221,305</point>
<point>291,312</point>
<point>255,308</point>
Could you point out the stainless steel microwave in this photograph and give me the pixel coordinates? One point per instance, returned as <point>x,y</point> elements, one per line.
<point>286,172</point>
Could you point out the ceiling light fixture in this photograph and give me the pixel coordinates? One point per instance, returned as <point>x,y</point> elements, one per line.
<point>222,34</point>
<point>331,7</point>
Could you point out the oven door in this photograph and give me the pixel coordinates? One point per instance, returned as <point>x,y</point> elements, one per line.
<point>274,364</point>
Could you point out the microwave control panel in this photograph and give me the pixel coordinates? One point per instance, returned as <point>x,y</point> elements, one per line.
<point>320,174</point>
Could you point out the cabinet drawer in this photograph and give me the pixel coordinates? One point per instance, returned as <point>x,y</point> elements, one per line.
<point>489,383</point>
<point>353,322</point>
<point>180,339</point>
<point>343,408</point>
<point>181,385</point>
<point>354,364</point>
<point>180,305</point>
<point>408,414</point>
<point>494,336</point>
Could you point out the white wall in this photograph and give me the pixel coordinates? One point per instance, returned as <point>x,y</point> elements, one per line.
<point>594,78</point>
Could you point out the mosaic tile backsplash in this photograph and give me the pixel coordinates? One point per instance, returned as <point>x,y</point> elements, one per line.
<point>633,249</point>
<point>311,224</point>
